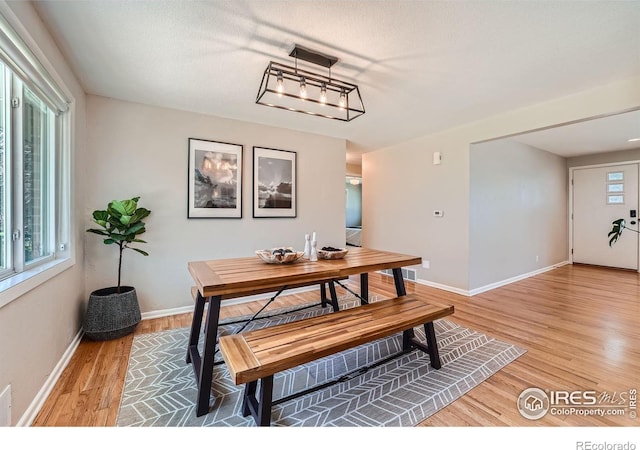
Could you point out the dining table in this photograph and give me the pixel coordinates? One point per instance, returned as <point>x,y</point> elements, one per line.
<point>219,279</point>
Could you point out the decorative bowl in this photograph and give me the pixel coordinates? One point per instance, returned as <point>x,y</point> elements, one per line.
<point>332,254</point>
<point>279,255</point>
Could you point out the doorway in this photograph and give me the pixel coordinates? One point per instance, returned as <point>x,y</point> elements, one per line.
<point>354,211</point>
<point>600,196</point>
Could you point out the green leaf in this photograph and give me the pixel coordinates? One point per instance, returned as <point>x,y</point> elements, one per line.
<point>139,240</point>
<point>125,220</point>
<point>100,232</point>
<point>135,229</point>
<point>100,216</point>
<point>142,252</point>
<point>109,241</point>
<point>118,207</point>
<point>140,214</point>
<point>129,207</point>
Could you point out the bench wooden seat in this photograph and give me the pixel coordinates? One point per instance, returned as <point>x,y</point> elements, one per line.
<point>260,354</point>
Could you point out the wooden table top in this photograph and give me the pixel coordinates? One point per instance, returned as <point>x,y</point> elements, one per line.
<point>236,275</point>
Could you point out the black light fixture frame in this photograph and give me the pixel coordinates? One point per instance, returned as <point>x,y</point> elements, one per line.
<point>351,109</point>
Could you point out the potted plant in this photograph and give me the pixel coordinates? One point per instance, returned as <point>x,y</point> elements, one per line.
<point>114,312</point>
<point>616,230</point>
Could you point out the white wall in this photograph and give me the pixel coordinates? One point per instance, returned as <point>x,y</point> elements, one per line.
<point>401,186</point>
<point>518,211</point>
<point>37,328</point>
<point>138,150</point>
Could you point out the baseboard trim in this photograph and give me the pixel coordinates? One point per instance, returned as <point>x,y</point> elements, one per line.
<point>491,286</point>
<point>498,284</point>
<point>36,404</point>
<point>443,287</point>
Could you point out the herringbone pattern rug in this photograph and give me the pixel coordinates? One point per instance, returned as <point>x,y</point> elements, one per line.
<point>160,387</point>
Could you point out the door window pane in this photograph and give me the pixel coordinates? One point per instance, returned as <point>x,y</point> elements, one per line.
<point>36,154</point>
<point>615,187</point>
<point>615,176</point>
<point>615,199</point>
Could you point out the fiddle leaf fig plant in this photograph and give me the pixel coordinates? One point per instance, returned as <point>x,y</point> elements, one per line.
<point>616,230</point>
<point>121,224</point>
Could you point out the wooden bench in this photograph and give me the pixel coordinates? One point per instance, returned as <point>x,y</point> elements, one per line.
<point>259,354</point>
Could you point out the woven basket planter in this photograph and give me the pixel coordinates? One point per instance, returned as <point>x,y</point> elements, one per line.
<point>111,315</point>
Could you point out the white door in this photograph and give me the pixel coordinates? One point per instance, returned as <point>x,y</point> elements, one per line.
<point>600,196</point>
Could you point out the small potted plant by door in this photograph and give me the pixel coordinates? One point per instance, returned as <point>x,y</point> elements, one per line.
<point>114,311</point>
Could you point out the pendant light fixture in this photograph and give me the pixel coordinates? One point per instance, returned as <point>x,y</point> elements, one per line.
<point>304,91</point>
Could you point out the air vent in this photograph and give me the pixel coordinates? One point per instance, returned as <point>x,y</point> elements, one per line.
<point>407,274</point>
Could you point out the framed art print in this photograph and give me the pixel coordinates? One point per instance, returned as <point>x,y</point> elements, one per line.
<point>274,183</point>
<point>215,179</point>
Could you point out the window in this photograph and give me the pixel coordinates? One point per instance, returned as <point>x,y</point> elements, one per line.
<point>615,188</point>
<point>35,125</point>
<point>27,200</point>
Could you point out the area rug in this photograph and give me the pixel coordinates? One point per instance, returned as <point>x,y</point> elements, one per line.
<point>160,388</point>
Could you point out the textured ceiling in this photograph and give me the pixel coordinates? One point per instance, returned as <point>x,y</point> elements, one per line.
<point>422,66</point>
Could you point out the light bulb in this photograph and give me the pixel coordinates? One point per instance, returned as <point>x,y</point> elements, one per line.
<point>342,102</point>
<point>303,88</point>
<point>280,84</point>
<point>323,93</point>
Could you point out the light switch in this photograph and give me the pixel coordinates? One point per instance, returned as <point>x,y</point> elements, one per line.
<point>438,213</point>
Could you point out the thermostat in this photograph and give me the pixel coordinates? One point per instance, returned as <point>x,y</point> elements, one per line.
<point>438,213</point>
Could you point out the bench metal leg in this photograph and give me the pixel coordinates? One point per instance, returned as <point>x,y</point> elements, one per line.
<point>410,342</point>
<point>259,408</point>
<point>249,393</point>
<point>432,345</point>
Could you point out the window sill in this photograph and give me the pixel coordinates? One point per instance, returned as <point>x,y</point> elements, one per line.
<point>19,284</point>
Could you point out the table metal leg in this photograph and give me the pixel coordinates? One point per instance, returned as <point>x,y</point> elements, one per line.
<point>205,374</point>
<point>364,288</point>
<point>399,281</point>
<point>196,324</point>
<point>323,294</point>
<point>334,296</point>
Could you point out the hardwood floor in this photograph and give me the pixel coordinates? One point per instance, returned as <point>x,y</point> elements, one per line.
<point>579,325</point>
